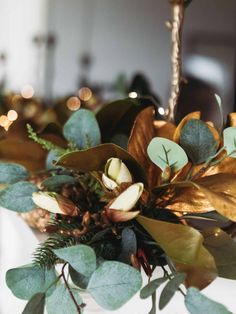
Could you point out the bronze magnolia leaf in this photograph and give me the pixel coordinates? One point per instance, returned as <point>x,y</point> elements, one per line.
<point>115,215</point>
<point>141,135</point>
<point>232,119</point>
<point>184,245</point>
<point>190,116</point>
<point>164,129</point>
<point>223,249</point>
<point>95,158</point>
<point>24,152</point>
<point>215,192</point>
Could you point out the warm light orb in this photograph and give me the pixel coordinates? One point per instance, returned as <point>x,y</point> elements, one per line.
<point>27,91</point>
<point>85,93</point>
<point>133,95</point>
<point>4,121</point>
<point>73,103</point>
<point>12,115</point>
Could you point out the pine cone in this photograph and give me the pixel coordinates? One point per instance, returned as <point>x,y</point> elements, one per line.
<point>37,218</point>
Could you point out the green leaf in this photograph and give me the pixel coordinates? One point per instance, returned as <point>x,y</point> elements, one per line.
<point>11,173</point>
<point>128,245</point>
<point>198,141</point>
<point>151,287</point>
<point>223,249</point>
<point>122,113</point>
<point>52,156</point>
<point>82,129</point>
<point>197,303</point>
<point>229,137</point>
<point>18,197</point>
<point>170,289</point>
<point>153,309</point>
<point>81,257</point>
<point>35,304</point>
<point>54,183</point>
<point>164,152</point>
<point>85,161</point>
<point>113,284</point>
<point>28,280</point>
<point>60,301</point>
<point>78,279</point>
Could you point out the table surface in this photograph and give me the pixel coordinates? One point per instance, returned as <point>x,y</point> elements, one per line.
<point>18,242</point>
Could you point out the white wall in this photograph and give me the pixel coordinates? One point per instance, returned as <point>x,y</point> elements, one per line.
<point>122,35</point>
<point>20,21</point>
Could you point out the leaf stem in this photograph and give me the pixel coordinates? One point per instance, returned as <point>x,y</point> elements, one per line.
<point>69,290</point>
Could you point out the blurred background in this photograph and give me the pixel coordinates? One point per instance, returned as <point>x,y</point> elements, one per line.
<point>52,48</point>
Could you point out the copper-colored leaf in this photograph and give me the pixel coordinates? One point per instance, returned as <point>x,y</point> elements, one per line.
<point>190,116</point>
<point>216,192</point>
<point>215,134</point>
<point>184,245</point>
<point>164,129</point>
<point>228,165</point>
<point>232,119</point>
<point>95,158</point>
<point>223,248</point>
<point>141,135</point>
<point>26,153</point>
<point>115,215</point>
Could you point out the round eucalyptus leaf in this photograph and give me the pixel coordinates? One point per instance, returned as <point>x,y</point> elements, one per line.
<point>113,284</point>
<point>18,197</point>
<point>78,279</point>
<point>170,289</point>
<point>81,257</point>
<point>54,183</point>
<point>229,136</point>
<point>128,245</point>
<point>82,129</point>
<point>35,304</point>
<point>11,173</point>
<point>60,301</point>
<point>28,280</point>
<point>164,152</point>
<point>197,303</point>
<point>198,141</point>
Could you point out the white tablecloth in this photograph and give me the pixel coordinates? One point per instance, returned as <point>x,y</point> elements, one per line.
<point>18,241</point>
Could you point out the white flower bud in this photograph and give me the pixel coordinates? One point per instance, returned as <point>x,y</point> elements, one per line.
<point>127,199</point>
<point>116,173</point>
<point>55,203</point>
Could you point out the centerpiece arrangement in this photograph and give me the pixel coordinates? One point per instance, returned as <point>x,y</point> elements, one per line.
<point>166,199</point>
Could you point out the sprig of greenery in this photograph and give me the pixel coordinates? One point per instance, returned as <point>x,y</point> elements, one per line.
<point>47,145</point>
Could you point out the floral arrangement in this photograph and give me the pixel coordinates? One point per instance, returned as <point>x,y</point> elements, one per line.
<point>167,201</point>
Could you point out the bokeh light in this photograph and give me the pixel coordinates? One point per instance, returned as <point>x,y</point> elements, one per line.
<point>133,95</point>
<point>85,93</point>
<point>12,115</point>
<point>27,91</point>
<point>73,103</point>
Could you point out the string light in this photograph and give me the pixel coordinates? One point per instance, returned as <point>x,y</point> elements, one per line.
<point>133,95</point>
<point>161,111</point>
<point>73,103</point>
<point>5,122</point>
<point>27,91</point>
<point>85,93</point>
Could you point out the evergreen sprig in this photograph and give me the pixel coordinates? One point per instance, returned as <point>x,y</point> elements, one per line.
<point>44,256</point>
<point>45,144</point>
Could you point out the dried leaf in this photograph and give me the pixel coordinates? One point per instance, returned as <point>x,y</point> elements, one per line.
<point>184,245</point>
<point>216,192</point>
<point>223,249</point>
<point>190,116</point>
<point>23,152</point>
<point>115,215</point>
<point>164,129</point>
<point>95,158</point>
<point>141,135</point>
<point>232,119</point>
